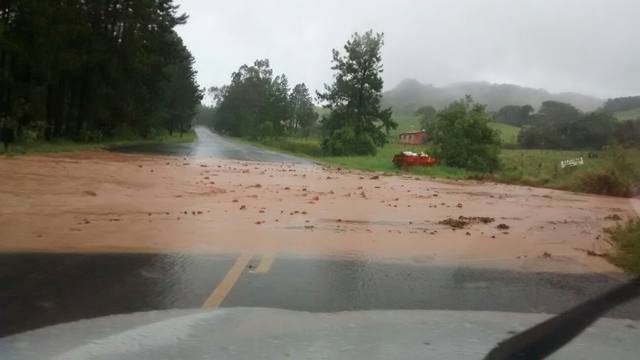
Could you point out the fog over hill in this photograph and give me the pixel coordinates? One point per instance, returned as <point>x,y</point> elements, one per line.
<point>410,94</point>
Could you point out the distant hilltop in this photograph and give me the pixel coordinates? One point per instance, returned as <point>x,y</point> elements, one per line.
<point>410,94</point>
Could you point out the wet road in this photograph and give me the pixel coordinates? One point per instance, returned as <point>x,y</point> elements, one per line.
<point>211,145</point>
<point>45,289</point>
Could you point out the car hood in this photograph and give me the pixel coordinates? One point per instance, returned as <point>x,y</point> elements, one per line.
<point>256,333</point>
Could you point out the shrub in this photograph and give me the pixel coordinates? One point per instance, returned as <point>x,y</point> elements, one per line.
<point>616,178</point>
<point>346,141</point>
<point>627,238</point>
<point>462,137</point>
<point>603,183</point>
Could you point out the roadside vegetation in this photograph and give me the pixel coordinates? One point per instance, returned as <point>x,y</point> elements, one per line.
<point>533,167</point>
<point>62,145</point>
<point>627,239</point>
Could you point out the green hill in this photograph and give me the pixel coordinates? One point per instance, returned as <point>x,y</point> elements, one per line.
<point>410,94</point>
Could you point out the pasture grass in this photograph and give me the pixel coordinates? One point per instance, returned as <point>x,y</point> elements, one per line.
<point>518,166</point>
<point>628,114</point>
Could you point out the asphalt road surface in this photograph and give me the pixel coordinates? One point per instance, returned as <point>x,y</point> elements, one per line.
<point>211,145</point>
<point>45,289</point>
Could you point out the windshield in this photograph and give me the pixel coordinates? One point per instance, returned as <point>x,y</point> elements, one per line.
<point>323,157</point>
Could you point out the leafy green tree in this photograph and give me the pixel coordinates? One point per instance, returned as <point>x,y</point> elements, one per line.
<point>427,115</point>
<point>593,130</point>
<point>241,104</point>
<point>561,126</point>
<point>462,137</point>
<point>255,104</point>
<point>514,114</point>
<point>556,112</point>
<point>356,123</point>
<point>627,132</point>
<point>550,127</point>
<point>304,113</point>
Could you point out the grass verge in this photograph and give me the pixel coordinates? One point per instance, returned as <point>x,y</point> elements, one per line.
<point>539,168</point>
<point>68,145</point>
<point>627,239</point>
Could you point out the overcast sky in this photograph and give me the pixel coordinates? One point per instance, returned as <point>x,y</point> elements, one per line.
<point>584,46</point>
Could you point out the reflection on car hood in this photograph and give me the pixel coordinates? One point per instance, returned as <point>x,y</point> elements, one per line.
<point>250,333</point>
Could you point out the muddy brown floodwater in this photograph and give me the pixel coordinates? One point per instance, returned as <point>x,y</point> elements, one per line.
<point>96,201</point>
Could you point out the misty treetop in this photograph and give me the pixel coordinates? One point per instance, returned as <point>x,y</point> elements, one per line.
<point>258,105</point>
<point>85,70</point>
<point>356,124</point>
<point>621,104</point>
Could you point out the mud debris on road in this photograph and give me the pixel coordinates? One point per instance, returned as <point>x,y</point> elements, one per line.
<point>390,217</point>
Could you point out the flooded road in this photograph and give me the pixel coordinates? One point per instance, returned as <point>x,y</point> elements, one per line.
<point>45,289</point>
<point>211,145</point>
<point>94,233</point>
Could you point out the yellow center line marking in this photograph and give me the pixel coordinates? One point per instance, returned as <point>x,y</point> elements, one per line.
<point>265,263</point>
<point>222,290</point>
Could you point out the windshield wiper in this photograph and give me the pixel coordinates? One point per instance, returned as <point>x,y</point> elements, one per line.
<point>547,337</point>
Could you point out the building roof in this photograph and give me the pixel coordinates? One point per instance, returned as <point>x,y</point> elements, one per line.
<point>413,132</point>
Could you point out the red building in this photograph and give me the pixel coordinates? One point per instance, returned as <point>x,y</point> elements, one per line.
<point>412,137</point>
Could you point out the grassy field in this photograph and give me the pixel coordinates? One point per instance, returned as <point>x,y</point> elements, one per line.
<point>519,166</point>
<point>542,167</point>
<point>508,133</point>
<point>628,114</point>
<point>67,145</point>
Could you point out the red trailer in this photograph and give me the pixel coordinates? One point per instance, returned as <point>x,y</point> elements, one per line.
<point>408,158</point>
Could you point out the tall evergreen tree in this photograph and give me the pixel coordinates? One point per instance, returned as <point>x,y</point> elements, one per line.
<point>304,115</point>
<point>356,124</point>
<point>87,69</point>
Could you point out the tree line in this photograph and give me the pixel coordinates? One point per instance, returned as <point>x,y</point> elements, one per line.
<point>621,104</point>
<point>558,125</point>
<point>257,104</point>
<point>87,70</point>
<point>561,126</point>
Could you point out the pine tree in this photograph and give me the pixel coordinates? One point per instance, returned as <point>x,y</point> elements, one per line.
<point>356,124</point>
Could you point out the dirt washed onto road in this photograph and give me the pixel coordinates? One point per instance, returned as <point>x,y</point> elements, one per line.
<point>99,201</point>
